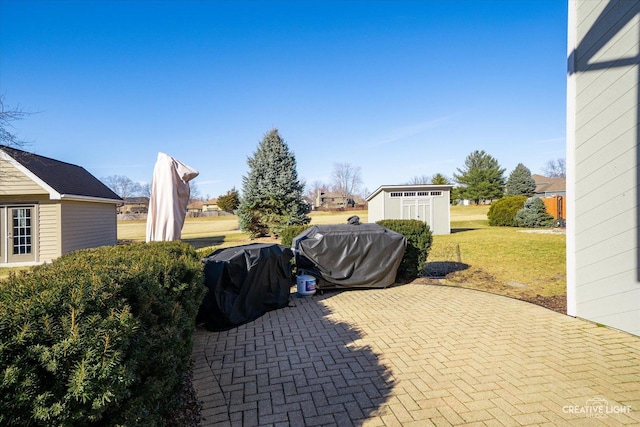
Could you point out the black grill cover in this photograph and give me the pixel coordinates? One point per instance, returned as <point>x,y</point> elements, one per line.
<point>244,283</point>
<point>349,256</point>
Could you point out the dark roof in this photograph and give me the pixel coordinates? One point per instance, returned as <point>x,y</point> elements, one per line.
<point>64,178</point>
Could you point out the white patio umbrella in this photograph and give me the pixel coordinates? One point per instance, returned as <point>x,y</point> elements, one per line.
<point>169,198</point>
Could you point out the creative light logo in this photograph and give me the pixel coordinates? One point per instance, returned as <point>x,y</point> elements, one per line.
<point>596,407</point>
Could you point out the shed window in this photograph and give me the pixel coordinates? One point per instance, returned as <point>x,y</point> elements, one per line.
<point>423,193</point>
<point>396,194</point>
<point>436,193</point>
<point>409,193</point>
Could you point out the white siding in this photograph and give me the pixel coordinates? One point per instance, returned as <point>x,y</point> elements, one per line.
<point>88,225</point>
<point>603,137</point>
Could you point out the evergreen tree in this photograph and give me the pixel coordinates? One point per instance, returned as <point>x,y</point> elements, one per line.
<point>272,195</point>
<point>230,201</point>
<point>439,179</point>
<point>482,177</point>
<point>534,214</point>
<point>520,182</point>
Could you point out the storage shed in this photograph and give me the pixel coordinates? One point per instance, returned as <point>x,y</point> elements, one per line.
<point>49,208</point>
<point>424,202</point>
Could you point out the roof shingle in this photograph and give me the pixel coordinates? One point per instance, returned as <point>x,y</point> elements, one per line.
<point>64,178</point>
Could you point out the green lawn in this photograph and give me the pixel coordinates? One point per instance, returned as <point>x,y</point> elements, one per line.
<point>503,260</point>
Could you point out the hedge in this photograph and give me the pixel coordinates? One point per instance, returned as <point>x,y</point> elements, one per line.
<point>98,337</point>
<point>503,212</point>
<point>419,239</point>
<point>289,233</point>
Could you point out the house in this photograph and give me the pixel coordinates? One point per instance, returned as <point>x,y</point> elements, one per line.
<point>553,192</point>
<point>333,200</point>
<point>49,208</point>
<point>549,186</point>
<point>210,205</point>
<point>603,215</point>
<point>425,202</point>
<point>194,208</point>
<point>134,205</point>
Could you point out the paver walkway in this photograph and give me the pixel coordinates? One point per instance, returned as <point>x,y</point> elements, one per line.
<point>417,355</point>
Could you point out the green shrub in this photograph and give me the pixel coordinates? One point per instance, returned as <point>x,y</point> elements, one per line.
<point>419,240</point>
<point>99,336</point>
<point>534,215</point>
<point>503,212</point>
<point>289,233</point>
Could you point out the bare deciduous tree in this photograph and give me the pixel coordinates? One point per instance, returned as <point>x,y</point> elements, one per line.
<point>122,186</point>
<point>419,180</point>
<point>145,190</point>
<point>438,179</point>
<point>556,168</point>
<point>346,180</point>
<point>314,187</point>
<point>7,115</point>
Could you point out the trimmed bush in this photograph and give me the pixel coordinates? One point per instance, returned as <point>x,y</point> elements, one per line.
<point>503,212</point>
<point>289,233</point>
<point>98,337</point>
<point>419,239</point>
<point>534,215</point>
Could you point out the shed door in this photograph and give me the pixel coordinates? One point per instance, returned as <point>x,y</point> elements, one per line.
<point>17,234</point>
<point>420,209</point>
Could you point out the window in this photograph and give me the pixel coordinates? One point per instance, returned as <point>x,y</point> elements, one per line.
<point>436,193</point>
<point>410,193</point>
<point>396,194</point>
<point>423,193</point>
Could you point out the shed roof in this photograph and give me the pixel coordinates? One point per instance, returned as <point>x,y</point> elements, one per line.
<point>410,187</point>
<point>60,179</point>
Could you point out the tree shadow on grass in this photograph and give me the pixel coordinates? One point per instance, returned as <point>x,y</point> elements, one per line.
<point>294,365</point>
<point>203,242</point>
<point>439,269</point>
<point>460,230</point>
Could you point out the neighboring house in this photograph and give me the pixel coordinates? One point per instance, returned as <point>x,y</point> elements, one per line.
<point>603,262</point>
<point>549,187</point>
<point>426,202</point>
<point>195,208</point>
<point>49,208</point>
<point>207,208</point>
<point>210,205</point>
<point>333,200</point>
<point>134,205</point>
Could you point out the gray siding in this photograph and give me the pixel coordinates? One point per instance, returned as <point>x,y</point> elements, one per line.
<point>88,225</point>
<point>432,209</point>
<point>376,208</point>
<point>605,206</point>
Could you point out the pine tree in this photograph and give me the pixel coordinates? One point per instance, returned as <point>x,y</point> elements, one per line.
<point>482,177</point>
<point>520,182</point>
<point>230,201</point>
<point>272,195</point>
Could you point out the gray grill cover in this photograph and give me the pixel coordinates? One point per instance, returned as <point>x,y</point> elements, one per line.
<point>349,256</point>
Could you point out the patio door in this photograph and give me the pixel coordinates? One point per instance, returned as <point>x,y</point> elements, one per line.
<point>17,234</point>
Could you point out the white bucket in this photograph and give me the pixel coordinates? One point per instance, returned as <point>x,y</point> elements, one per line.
<point>306,285</point>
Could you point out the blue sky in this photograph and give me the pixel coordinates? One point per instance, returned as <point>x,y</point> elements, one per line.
<point>397,88</point>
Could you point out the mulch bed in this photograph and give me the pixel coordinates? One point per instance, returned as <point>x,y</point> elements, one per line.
<point>556,303</point>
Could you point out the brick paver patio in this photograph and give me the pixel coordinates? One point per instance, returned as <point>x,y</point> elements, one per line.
<point>417,355</point>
